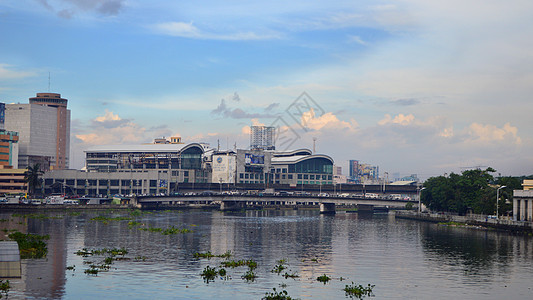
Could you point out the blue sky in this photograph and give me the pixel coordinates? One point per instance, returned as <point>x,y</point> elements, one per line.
<point>411,86</point>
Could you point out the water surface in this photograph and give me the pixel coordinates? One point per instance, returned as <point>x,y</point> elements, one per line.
<point>404,259</point>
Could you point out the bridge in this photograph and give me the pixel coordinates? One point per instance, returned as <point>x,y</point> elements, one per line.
<point>238,202</point>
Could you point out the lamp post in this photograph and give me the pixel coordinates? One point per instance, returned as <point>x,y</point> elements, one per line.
<point>419,202</point>
<point>498,198</point>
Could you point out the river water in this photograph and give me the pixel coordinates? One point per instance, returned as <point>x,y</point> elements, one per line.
<point>404,259</point>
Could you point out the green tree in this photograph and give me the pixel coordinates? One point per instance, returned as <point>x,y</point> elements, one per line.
<point>460,193</point>
<point>33,178</point>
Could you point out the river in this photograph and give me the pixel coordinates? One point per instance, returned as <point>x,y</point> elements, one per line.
<point>403,259</point>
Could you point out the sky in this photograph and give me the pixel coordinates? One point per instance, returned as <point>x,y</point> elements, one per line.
<point>412,86</point>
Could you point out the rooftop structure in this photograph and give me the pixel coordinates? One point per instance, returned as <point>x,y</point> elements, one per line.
<point>111,158</point>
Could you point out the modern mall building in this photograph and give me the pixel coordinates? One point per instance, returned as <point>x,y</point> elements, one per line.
<point>161,167</point>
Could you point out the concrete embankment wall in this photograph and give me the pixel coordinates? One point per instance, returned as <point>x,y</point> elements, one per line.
<point>7,207</point>
<point>477,220</point>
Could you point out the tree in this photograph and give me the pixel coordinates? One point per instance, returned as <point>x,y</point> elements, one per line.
<point>460,193</point>
<point>33,178</point>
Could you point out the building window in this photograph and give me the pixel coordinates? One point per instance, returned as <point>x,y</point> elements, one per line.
<point>289,176</point>
<point>299,176</point>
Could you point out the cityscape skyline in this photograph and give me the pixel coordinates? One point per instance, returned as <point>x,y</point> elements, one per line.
<point>409,86</point>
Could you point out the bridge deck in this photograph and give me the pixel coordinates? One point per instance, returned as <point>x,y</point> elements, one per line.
<point>284,200</point>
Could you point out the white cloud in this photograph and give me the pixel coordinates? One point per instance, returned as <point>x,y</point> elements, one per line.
<point>7,72</point>
<point>188,30</point>
<point>325,121</point>
<point>108,116</point>
<point>484,133</point>
<point>400,119</point>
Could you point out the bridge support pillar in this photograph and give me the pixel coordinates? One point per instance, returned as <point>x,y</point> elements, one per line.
<point>232,205</point>
<point>365,208</point>
<point>327,208</point>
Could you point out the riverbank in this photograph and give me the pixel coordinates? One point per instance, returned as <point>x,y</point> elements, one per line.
<point>52,207</point>
<point>473,220</point>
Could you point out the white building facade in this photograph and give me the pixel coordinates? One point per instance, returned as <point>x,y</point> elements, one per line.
<point>38,135</point>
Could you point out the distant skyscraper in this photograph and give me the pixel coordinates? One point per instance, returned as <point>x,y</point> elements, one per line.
<point>262,137</point>
<point>354,169</point>
<point>44,130</point>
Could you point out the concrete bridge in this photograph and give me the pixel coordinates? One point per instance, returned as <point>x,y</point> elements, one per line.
<point>238,202</point>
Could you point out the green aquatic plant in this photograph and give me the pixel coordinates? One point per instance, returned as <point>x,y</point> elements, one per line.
<point>323,278</point>
<point>249,275</point>
<point>30,245</point>
<point>91,271</point>
<point>106,220</point>
<point>226,254</point>
<point>167,231</point>
<point>113,252</point>
<point>136,212</point>
<point>207,255</point>
<point>359,291</point>
<point>278,269</point>
<point>4,288</point>
<point>141,258</point>
<point>132,224</point>
<point>209,274</point>
<point>72,268</point>
<point>239,263</point>
<point>292,275</point>
<point>275,295</point>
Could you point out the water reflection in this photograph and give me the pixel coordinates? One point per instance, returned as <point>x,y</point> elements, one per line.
<point>478,253</point>
<point>402,258</point>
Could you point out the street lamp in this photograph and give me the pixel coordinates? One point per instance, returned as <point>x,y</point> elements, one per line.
<point>419,194</point>
<point>498,198</point>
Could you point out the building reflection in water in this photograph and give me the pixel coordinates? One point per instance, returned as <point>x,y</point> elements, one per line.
<point>41,278</point>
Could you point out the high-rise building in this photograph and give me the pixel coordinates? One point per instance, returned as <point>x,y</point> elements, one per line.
<point>354,169</point>
<point>8,149</point>
<point>44,131</point>
<point>262,137</point>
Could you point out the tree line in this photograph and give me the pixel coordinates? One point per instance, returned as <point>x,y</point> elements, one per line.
<point>471,191</point>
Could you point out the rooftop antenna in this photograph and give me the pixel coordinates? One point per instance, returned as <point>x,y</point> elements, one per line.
<point>314,145</point>
<point>49,81</point>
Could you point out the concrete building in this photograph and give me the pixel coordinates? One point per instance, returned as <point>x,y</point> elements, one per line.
<point>262,137</point>
<point>287,167</point>
<point>523,202</point>
<point>8,149</point>
<point>12,181</point>
<point>161,168</point>
<point>360,172</point>
<point>224,167</point>
<point>44,131</point>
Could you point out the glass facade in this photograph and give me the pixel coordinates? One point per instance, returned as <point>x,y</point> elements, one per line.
<point>313,165</point>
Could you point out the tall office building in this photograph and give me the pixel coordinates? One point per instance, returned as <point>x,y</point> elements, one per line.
<point>44,130</point>
<point>262,137</point>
